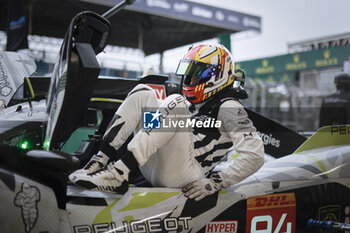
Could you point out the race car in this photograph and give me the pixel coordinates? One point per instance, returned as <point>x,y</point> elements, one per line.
<point>306,190</point>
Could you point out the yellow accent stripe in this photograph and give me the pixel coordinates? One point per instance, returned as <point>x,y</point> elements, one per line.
<point>147,199</point>
<point>319,162</point>
<point>106,214</point>
<point>106,100</point>
<point>196,88</point>
<point>235,156</point>
<point>30,88</point>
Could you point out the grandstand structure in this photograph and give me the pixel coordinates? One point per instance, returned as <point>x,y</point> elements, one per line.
<point>289,88</point>
<point>115,61</point>
<point>320,43</point>
<point>145,28</point>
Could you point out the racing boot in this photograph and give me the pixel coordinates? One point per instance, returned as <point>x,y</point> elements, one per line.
<point>96,163</point>
<point>112,178</point>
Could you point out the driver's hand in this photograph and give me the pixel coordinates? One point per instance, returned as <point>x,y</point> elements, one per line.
<point>199,189</point>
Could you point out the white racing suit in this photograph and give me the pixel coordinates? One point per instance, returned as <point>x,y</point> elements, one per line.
<point>177,156</point>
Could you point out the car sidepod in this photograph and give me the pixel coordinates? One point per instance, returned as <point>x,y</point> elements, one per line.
<point>144,210</point>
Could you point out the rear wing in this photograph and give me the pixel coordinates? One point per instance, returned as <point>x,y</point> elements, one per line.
<point>335,135</point>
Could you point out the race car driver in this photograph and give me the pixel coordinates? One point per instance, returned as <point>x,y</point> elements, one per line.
<point>181,157</point>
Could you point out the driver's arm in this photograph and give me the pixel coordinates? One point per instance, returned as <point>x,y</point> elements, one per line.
<point>237,126</point>
<point>247,143</point>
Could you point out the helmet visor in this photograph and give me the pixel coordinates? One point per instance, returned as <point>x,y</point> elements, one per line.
<point>196,69</point>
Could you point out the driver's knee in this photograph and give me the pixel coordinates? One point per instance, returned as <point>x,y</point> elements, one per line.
<point>174,101</point>
<point>141,89</point>
<point>141,96</point>
<point>174,104</point>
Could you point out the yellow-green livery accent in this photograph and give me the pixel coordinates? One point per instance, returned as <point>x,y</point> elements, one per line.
<point>105,215</point>
<point>235,156</point>
<point>327,136</point>
<point>319,162</point>
<point>144,200</point>
<point>30,88</point>
<point>129,218</point>
<point>223,192</point>
<point>106,100</point>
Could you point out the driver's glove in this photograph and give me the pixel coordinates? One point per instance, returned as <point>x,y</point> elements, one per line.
<point>199,189</point>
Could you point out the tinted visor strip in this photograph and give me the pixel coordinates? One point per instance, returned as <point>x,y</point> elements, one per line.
<point>189,68</point>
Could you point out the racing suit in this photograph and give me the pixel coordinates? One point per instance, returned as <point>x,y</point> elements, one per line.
<point>178,156</point>
<point>335,109</point>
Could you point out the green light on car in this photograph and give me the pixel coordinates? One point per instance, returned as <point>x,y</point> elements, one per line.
<point>24,145</point>
<point>46,145</point>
